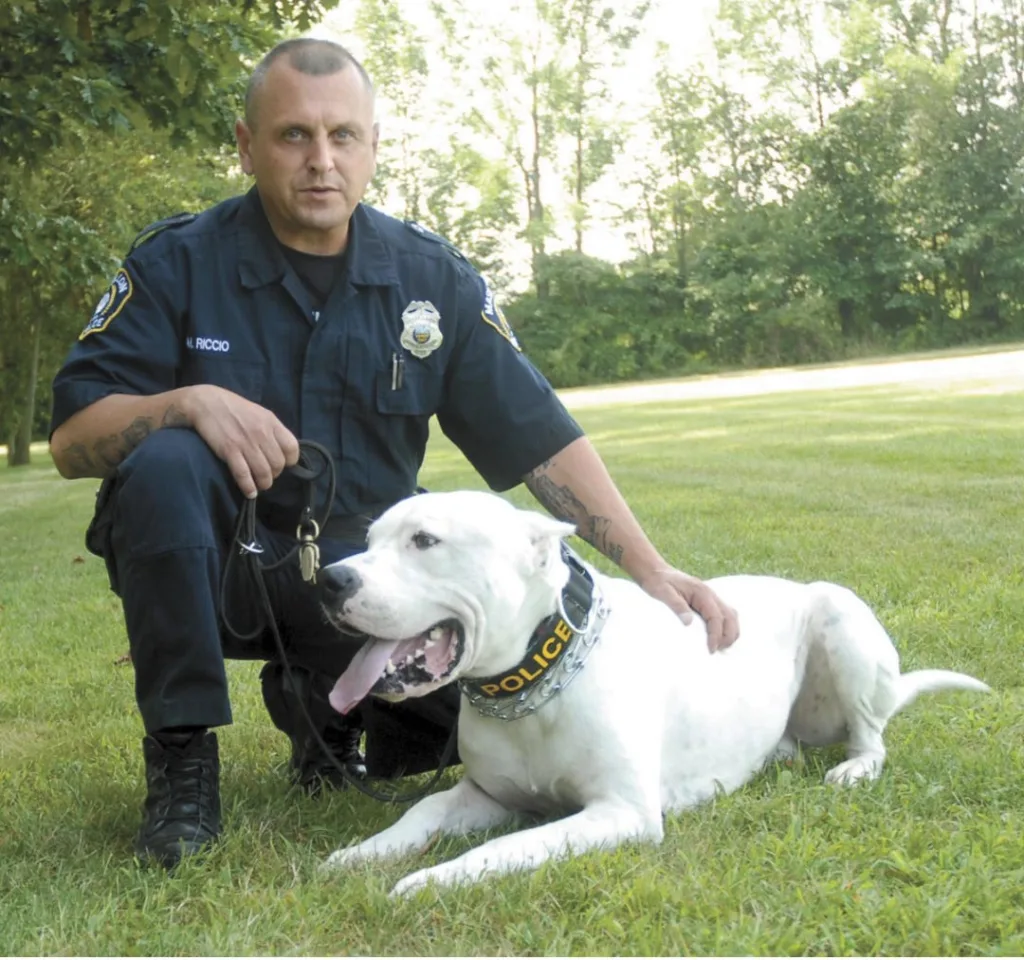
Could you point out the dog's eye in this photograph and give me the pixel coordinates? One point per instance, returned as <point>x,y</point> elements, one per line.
<point>423,541</point>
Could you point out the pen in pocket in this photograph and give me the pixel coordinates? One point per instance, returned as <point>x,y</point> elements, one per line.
<point>397,371</point>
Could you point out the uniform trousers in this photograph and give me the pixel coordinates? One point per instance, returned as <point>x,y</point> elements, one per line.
<point>164,524</point>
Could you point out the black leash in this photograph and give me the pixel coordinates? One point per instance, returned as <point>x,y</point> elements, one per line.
<point>308,552</point>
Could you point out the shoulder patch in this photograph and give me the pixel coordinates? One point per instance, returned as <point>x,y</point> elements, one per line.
<point>437,238</point>
<point>147,233</point>
<point>111,304</point>
<point>495,317</point>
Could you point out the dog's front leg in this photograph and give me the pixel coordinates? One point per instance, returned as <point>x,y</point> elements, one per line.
<point>463,808</point>
<point>601,825</point>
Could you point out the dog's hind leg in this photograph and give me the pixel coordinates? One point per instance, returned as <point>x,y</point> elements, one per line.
<point>865,751</point>
<point>786,751</point>
<point>865,672</point>
<point>463,808</point>
<point>603,824</point>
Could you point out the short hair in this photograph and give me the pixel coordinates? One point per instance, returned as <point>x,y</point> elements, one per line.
<point>310,55</point>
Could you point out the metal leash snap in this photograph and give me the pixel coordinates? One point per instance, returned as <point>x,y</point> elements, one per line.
<point>309,552</point>
<point>309,562</point>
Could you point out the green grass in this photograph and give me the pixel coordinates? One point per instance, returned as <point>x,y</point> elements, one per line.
<point>912,498</point>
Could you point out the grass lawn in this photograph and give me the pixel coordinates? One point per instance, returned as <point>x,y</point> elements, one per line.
<point>912,497</point>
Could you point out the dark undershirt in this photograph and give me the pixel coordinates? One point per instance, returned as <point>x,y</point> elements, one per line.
<point>318,274</point>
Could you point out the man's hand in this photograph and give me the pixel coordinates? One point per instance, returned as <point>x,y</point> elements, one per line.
<point>686,594</point>
<point>250,439</point>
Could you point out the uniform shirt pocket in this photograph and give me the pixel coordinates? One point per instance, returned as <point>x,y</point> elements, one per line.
<point>414,392</point>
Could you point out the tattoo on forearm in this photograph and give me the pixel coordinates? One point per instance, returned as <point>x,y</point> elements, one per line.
<point>78,460</point>
<point>173,417</point>
<point>136,432</point>
<point>561,502</point>
<point>110,451</point>
<point>597,534</point>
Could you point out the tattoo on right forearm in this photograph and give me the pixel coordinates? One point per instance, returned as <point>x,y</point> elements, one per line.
<point>136,432</point>
<point>78,460</point>
<point>108,452</point>
<point>173,417</point>
<point>111,450</point>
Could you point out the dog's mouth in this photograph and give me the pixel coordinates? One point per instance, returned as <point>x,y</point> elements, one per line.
<point>400,668</point>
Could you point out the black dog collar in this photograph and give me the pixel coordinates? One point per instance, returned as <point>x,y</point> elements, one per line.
<point>550,642</point>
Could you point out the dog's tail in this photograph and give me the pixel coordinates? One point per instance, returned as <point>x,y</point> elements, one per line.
<point>913,684</point>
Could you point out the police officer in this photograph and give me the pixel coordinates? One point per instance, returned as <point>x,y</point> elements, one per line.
<point>297,311</point>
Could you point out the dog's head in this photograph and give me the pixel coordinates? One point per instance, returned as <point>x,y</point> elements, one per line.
<point>451,585</point>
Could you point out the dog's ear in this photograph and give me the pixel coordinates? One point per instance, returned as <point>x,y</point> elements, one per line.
<point>546,534</point>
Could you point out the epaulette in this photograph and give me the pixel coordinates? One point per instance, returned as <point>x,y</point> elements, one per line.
<point>147,233</point>
<point>437,238</point>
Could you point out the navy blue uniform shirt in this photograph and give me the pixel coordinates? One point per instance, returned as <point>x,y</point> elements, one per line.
<point>410,330</point>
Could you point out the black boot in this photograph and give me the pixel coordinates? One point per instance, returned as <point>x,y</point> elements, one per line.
<point>181,814</point>
<point>310,767</point>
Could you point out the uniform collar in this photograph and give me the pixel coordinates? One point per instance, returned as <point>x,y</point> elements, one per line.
<point>369,261</point>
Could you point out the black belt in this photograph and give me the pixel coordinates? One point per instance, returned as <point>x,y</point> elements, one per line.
<point>350,528</point>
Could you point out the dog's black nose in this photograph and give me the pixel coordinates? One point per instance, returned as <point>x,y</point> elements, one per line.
<point>337,583</point>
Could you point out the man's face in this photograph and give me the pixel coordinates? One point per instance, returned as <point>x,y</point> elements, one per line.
<point>312,149</point>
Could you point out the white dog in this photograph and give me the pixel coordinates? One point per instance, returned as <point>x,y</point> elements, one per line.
<point>583,697</point>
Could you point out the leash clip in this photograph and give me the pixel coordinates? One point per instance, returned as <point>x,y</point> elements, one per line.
<point>309,551</point>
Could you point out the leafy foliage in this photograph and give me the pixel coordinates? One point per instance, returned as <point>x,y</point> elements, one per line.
<point>834,178</point>
<point>93,93</point>
<point>113,64</point>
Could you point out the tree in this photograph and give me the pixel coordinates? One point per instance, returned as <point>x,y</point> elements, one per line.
<point>596,37</point>
<point>396,60</point>
<point>112,64</point>
<point>69,71</point>
<point>470,199</point>
<point>516,75</point>
<point>69,226</point>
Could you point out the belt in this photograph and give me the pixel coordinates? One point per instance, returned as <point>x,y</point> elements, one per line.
<point>350,528</point>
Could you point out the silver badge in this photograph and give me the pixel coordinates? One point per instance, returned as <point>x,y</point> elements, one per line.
<point>421,334</point>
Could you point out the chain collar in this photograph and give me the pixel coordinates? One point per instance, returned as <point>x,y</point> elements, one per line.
<point>491,696</point>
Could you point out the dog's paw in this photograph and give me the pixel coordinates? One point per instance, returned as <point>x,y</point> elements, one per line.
<point>448,874</point>
<point>855,770</point>
<point>412,883</point>
<point>345,857</point>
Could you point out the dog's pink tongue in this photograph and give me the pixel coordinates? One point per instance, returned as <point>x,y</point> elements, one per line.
<point>362,673</point>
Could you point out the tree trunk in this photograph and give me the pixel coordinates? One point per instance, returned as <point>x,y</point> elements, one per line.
<point>540,280</point>
<point>578,109</point>
<point>679,228</point>
<point>19,453</point>
<point>846,307</point>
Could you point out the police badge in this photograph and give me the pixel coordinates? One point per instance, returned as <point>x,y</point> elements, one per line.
<point>421,333</point>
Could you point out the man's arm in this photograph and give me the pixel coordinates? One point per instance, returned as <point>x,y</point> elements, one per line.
<point>255,445</point>
<point>97,438</point>
<point>574,485</point>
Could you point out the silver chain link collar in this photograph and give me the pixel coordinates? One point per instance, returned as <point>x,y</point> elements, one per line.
<point>559,676</point>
